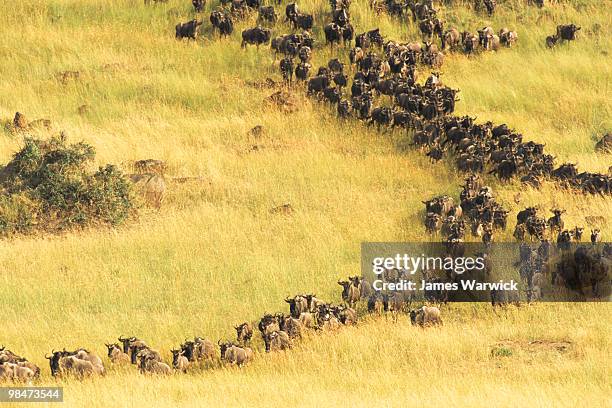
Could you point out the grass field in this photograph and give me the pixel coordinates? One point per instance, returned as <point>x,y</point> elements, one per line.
<point>214,255</point>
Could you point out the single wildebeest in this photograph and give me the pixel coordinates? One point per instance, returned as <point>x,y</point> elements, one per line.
<point>450,39</point>
<point>198,349</point>
<point>567,32</point>
<point>291,12</point>
<point>555,223</point>
<point>507,37</point>
<point>425,316</point>
<point>286,68</point>
<point>551,41</point>
<point>116,355</point>
<point>234,354</point>
<point>333,33</point>
<point>267,15</point>
<point>297,305</point>
<point>347,315</point>
<point>148,364</point>
<point>255,36</point>
<point>179,361</point>
<point>222,22</point>
<point>595,235</point>
<point>188,30</point>
<point>244,333</point>
<point>268,324</point>
<point>198,5</point>
<point>318,84</point>
<point>151,186</point>
<point>277,340</point>
<point>350,291</point>
<point>302,71</point>
<point>290,325</point>
<point>138,350</point>
<point>303,21</point>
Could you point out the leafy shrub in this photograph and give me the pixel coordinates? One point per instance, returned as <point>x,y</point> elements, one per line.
<point>48,186</point>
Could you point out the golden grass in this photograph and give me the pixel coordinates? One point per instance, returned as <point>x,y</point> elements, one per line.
<point>214,255</point>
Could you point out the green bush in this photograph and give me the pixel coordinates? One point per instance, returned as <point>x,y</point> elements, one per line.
<point>48,185</point>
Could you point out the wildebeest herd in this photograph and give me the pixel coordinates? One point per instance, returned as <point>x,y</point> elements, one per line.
<point>279,331</point>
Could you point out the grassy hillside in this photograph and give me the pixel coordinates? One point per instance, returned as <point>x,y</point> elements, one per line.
<point>214,255</point>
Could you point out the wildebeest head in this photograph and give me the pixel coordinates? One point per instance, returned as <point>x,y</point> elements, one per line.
<point>187,348</point>
<point>223,347</point>
<point>175,356</point>
<point>54,361</point>
<point>126,342</point>
<point>111,347</point>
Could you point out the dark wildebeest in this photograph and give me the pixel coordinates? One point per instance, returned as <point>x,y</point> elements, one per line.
<point>286,68</point>
<point>255,36</point>
<point>304,21</point>
<point>188,30</point>
<point>222,22</point>
<point>198,5</point>
<point>567,32</point>
<point>333,33</point>
<point>267,15</point>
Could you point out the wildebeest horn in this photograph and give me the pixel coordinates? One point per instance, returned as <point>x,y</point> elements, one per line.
<point>48,358</point>
<point>219,342</point>
<point>121,338</point>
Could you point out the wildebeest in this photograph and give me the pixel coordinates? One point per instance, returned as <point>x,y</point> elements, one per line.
<point>116,355</point>
<point>277,340</point>
<point>297,305</point>
<point>451,39</point>
<point>303,21</point>
<point>333,33</point>
<point>351,290</point>
<point>268,324</point>
<point>16,373</point>
<point>346,315</point>
<point>198,5</point>
<point>149,364</point>
<point>266,15</point>
<point>234,354</point>
<point>70,365</point>
<point>179,361</point>
<point>188,30</point>
<point>425,316</point>
<point>286,68</point>
<point>256,36</point>
<point>507,37</point>
<point>222,21</point>
<point>198,349</point>
<point>244,333</point>
<point>128,342</point>
<point>567,32</point>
